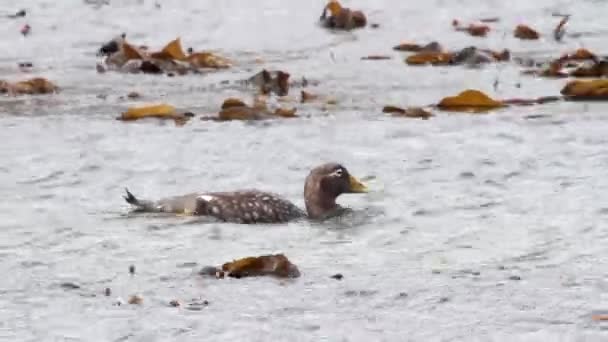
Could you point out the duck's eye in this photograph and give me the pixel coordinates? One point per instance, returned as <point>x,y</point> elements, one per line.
<point>337,173</point>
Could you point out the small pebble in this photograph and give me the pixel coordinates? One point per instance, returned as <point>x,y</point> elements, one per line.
<point>132,269</point>
<point>444,300</point>
<point>337,276</point>
<point>107,292</point>
<point>374,25</point>
<point>175,303</point>
<point>403,294</point>
<point>514,277</point>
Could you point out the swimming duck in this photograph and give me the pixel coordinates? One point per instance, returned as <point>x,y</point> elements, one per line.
<point>323,185</point>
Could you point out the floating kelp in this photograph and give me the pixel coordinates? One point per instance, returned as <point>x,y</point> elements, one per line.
<point>433,58</point>
<point>171,59</point>
<point>33,86</point>
<point>470,101</point>
<point>412,47</point>
<point>476,30</point>
<point>235,109</point>
<point>273,81</point>
<point>341,17</point>
<point>158,111</point>
<point>276,265</point>
<point>586,90</point>
<point>526,32</point>
<point>580,63</point>
<point>470,56</point>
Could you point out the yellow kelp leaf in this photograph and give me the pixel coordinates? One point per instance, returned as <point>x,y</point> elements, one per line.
<point>207,60</point>
<point>162,111</point>
<point>286,112</point>
<point>597,89</point>
<point>469,100</point>
<point>334,7</point>
<point>173,50</point>
<point>130,52</point>
<point>435,58</point>
<point>233,102</point>
<point>240,113</point>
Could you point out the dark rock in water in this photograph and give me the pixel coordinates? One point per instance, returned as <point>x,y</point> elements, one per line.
<point>132,269</point>
<point>69,286</point>
<point>337,276</point>
<point>107,292</point>
<point>514,277</point>
<point>444,300</point>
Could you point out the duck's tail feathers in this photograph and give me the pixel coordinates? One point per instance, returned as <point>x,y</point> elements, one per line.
<point>140,205</point>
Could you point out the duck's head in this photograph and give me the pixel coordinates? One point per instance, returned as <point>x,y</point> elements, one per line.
<point>324,184</point>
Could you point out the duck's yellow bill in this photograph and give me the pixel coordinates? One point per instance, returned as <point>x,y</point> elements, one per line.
<point>356,186</point>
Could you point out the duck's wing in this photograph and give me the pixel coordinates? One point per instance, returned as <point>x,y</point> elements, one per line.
<point>247,206</point>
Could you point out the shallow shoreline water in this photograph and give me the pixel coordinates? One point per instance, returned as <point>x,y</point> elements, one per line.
<point>462,205</point>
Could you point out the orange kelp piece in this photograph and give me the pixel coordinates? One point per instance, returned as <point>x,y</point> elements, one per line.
<point>409,47</point>
<point>410,112</point>
<point>207,60</point>
<point>525,32</point>
<point>478,30</point>
<point>33,86</point>
<point>130,52</point>
<point>469,100</point>
<point>596,70</point>
<point>334,8</point>
<point>434,58</point>
<point>285,112</point>
<point>579,55</point>
<point>592,90</point>
<point>233,102</point>
<point>161,111</point>
<point>173,50</point>
<point>274,265</point>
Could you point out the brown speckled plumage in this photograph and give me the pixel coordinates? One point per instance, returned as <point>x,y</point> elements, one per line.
<point>323,185</point>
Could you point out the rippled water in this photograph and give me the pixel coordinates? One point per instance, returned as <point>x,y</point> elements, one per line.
<point>462,205</point>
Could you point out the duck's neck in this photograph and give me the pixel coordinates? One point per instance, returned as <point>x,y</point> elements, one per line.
<point>319,204</point>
